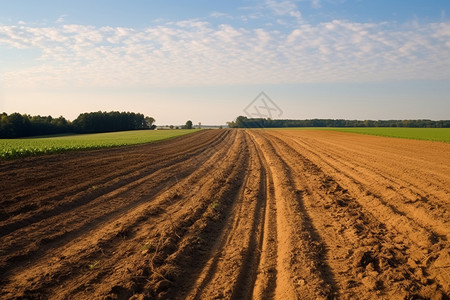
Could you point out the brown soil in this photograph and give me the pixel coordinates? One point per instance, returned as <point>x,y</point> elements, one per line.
<point>233,214</point>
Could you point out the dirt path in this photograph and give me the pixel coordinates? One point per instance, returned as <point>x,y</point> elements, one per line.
<point>230,214</point>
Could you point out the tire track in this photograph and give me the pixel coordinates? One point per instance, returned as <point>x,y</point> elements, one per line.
<point>240,242</point>
<point>301,267</point>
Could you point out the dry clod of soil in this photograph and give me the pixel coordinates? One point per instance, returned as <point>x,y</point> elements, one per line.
<point>230,214</point>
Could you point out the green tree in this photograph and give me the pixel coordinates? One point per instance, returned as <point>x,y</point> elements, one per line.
<point>189,124</point>
<point>149,122</point>
<point>111,121</point>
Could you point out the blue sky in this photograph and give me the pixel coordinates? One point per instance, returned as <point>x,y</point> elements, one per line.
<point>207,60</point>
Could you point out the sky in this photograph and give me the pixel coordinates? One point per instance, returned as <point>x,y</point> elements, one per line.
<point>208,61</point>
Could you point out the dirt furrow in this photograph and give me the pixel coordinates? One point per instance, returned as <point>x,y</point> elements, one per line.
<point>418,247</point>
<point>302,271</point>
<point>148,248</point>
<point>173,171</point>
<point>197,247</point>
<point>231,271</point>
<point>49,198</point>
<point>112,159</point>
<point>387,166</point>
<point>424,221</point>
<point>266,277</point>
<point>230,214</point>
<point>69,224</point>
<point>365,257</point>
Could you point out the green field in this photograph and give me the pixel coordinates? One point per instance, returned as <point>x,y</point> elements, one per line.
<point>14,148</point>
<point>430,134</point>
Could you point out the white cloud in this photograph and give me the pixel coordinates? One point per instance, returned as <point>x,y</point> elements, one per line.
<point>315,3</point>
<point>61,19</point>
<point>216,14</point>
<point>284,8</point>
<point>194,52</point>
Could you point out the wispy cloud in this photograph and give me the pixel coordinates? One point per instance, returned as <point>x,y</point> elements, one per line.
<point>316,3</point>
<point>194,52</point>
<point>284,8</point>
<point>216,14</point>
<point>61,18</point>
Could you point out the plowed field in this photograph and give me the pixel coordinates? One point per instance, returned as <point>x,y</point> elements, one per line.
<point>233,214</point>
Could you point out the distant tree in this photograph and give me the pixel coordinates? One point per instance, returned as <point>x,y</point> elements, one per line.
<point>6,129</point>
<point>369,123</point>
<point>111,121</point>
<point>171,126</point>
<point>17,125</point>
<point>244,122</point>
<point>149,123</point>
<point>188,124</point>
<point>199,125</point>
<point>20,125</point>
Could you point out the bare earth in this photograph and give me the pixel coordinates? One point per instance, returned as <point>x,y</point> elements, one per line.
<point>232,214</point>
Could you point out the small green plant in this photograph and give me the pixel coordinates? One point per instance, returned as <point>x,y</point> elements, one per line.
<point>94,265</point>
<point>147,247</point>
<point>215,205</point>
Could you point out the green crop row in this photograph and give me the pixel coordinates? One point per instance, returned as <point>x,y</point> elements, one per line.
<point>31,151</point>
<point>15,148</point>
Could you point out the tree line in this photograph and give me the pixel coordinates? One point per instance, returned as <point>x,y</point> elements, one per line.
<point>22,125</point>
<point>244,122</point>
